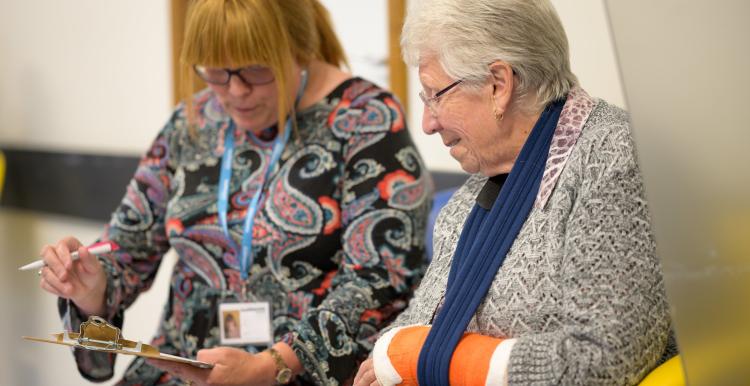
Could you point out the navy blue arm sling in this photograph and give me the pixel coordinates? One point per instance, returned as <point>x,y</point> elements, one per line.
<point>485,240</point>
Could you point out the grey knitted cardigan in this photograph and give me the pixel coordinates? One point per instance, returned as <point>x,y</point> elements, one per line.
<point>581,288</point>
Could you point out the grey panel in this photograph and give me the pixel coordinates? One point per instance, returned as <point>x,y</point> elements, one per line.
<point>685,67</point>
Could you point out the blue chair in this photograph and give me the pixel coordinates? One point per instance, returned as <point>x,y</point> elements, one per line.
<point>438,201</point>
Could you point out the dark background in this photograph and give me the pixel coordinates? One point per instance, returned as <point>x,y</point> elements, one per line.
<point>88,185</point>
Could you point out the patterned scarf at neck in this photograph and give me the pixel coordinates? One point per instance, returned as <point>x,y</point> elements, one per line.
<point>485,240</point>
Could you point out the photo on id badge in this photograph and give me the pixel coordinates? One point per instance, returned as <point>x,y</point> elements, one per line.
<point>245,323</point>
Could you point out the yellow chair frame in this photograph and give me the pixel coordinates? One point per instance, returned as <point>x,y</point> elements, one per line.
<point>669,373</point>
<point>2,172</point>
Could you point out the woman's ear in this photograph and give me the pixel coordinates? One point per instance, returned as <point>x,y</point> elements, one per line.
<point>503,82</point>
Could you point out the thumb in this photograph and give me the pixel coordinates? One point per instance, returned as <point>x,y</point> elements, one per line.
<point>209,355</point>
<point>71,242</point>
<point>88,261</point>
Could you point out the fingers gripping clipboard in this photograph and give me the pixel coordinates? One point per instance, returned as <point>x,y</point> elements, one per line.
<point>98,335</point>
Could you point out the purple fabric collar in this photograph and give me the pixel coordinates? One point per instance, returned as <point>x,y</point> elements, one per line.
<point>575,113</point>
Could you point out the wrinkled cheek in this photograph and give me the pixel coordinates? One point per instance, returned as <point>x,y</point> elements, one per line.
<point>470,166</point>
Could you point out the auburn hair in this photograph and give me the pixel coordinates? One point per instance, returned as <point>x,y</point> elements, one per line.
<point>272,33</point>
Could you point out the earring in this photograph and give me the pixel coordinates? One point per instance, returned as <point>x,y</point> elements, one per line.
<point>498,115</point>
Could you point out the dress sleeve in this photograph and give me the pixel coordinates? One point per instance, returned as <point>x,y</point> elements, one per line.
<point>386,196</point>
<point>614,319</point>
<point>137,226</point>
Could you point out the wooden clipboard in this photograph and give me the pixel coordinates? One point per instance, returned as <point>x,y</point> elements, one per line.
<point>98,335</point>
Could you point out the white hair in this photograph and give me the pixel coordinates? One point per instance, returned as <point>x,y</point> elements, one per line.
<point>465,36</point>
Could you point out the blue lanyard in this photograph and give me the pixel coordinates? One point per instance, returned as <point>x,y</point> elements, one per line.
<point>246,256</point>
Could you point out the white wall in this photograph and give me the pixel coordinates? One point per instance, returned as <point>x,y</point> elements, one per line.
<point>362,30</point>
<point>592,58</point>
<point>80,76</point>
<point>84,75</point>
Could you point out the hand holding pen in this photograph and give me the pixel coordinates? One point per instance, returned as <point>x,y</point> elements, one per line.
<point>96,249</point>
<point>81,279</point>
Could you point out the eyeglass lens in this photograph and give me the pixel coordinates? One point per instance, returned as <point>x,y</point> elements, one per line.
<point>254,75</point>
<point>431,102</point>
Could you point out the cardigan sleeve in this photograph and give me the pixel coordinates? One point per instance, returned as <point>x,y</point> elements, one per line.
<point>386,196</point>
<point>137,226</point>
<point>614,318</point>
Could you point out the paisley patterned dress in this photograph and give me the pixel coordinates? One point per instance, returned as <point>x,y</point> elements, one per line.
<point>338,240</point>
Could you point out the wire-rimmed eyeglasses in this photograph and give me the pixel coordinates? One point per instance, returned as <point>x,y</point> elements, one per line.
<point>431,102</point>
<point>251,75</point>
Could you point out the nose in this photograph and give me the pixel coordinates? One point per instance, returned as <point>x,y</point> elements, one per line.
<point>237,86</point>
<point>430,123</point>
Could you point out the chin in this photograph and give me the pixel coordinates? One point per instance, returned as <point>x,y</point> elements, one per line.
<point>250,125</point>
<point>471,169</point>
<point>468,166</point>
<point>252,122</point>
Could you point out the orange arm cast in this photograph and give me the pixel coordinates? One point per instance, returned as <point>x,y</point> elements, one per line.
<point>397,353</point>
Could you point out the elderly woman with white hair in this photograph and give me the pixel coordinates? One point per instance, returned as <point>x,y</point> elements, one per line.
<point>545,270</point>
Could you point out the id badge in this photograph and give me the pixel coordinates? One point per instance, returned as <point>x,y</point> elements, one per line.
<point>245,323</point>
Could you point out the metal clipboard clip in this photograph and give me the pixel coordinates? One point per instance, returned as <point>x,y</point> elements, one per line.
<point>99,335</point>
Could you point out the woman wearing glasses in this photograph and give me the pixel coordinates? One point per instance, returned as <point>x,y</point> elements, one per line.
<point>292,194</point>
<point>544,270</point>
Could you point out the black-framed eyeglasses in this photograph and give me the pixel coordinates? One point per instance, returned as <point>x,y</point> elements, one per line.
<point>431,102</point>
<point>251,75</point>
